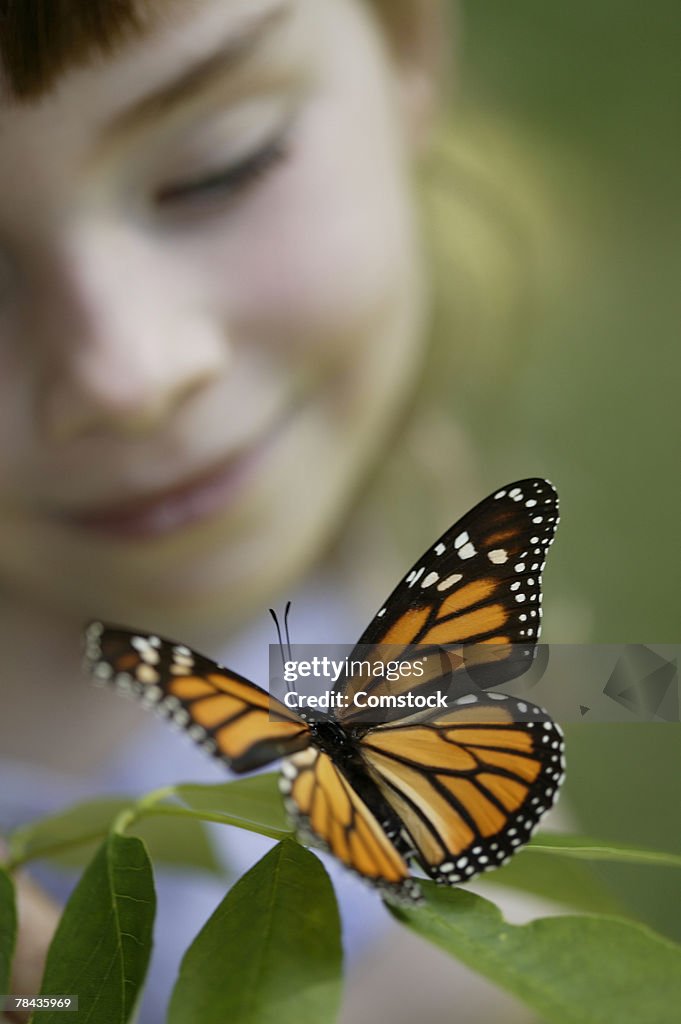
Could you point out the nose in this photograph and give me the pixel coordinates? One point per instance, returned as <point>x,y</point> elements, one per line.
<point>121,341</point>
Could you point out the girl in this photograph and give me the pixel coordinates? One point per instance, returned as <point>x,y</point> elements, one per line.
<point>213,315</point>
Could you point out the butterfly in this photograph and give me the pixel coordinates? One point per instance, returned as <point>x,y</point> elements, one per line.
<point>452,792</point>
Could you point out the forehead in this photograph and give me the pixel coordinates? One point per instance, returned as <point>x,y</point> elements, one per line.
<point>93,111</point>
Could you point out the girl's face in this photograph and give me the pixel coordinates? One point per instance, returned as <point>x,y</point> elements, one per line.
<point>210,307</point>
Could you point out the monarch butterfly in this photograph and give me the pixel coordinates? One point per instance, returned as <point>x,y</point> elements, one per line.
<point>455,792</point>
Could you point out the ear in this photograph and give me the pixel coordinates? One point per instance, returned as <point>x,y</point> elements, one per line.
<point>421,38</point>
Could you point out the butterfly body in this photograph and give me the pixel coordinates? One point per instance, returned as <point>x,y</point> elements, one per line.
<point>454,791</point>
<point>332,739</point>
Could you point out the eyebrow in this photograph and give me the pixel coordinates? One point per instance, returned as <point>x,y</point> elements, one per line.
<point>199,76</point>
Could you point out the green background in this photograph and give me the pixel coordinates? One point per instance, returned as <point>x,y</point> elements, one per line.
<point>590,92</point>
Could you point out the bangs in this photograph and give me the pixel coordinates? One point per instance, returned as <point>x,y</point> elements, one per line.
<point>40,39</point>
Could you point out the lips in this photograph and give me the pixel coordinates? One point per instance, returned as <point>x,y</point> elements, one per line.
<point>180,506</point>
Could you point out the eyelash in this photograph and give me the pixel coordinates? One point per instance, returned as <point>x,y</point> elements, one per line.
<point>232,179</point>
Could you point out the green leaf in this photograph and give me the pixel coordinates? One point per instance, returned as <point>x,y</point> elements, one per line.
<point>54,836</point>
<point>178,842</point>
<point>8,929</point>
<point>548,866</point>
<point>70,838</point>
<point>253,803</point>
<point>600,849</point>
<point>571,970</point>
<point>101,948</point>
<point>270,953</point>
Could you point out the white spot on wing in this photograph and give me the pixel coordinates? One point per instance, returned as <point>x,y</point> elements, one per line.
<point>305,757</point>
<point>152,695</point>
<point>449,581</point>
<point>498,556</point>
<point>147,674</point>
<point>414,576</point>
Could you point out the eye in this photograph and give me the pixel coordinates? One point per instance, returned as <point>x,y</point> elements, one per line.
<point>230,180</point>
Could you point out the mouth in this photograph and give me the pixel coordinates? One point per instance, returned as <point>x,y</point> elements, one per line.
<point>182,505</point>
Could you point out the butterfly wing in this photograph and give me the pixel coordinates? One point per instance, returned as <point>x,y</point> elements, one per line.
<point>471,785</point>
<point>226,714</point>
<point>479,585</point>
<point>329,811</point>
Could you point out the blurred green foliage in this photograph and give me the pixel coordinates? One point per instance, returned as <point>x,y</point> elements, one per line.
<point>591,96</point>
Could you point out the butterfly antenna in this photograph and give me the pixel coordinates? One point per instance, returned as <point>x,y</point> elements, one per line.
<point>288,635</point>
<point>281,642</point>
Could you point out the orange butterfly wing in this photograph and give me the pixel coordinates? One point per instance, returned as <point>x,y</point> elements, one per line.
<point>329,810</point>
<point>476,593</point>
<point>226,714</point>
<point>471,785</point>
